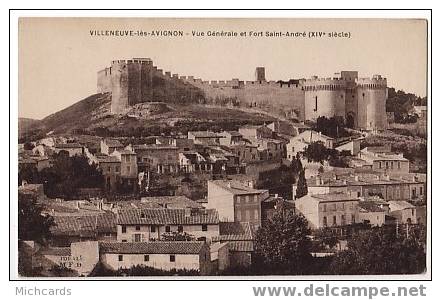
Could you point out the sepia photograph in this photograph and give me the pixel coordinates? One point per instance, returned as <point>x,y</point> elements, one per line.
<point>222,148</point>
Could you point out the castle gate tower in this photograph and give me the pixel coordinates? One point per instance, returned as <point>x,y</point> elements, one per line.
<point>324,97</point>
<point>372,95</point>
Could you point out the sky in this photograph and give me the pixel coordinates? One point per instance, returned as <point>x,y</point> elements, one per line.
<point>59,58</point>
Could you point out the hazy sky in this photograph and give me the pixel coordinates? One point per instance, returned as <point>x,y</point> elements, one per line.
<point>58,57</point>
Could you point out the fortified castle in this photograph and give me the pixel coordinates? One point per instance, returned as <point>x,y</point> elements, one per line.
<point>361,101</point>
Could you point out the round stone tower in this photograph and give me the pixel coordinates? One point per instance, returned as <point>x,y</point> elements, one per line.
<point>324,97</point>
<point>372,95</point>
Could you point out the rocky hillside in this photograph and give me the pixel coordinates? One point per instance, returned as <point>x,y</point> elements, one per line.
<point>91,116</point>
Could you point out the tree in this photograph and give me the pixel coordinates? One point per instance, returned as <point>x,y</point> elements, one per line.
<point>68,174</point>
<point>317,152</point>
<point>296,164</point>
<point>28,146</point>
<point>32,224</point>
<point>29,173</point>
<point>177,236</point>
<point>381,251</point>
<point>302,186</point>
<point>333,127</point>
<point>326,238</point>
<point>282,244</point>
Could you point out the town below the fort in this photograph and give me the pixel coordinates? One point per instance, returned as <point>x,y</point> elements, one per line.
<point>330,181</point>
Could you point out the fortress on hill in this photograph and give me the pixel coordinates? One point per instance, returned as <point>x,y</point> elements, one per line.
<point>361,101</point>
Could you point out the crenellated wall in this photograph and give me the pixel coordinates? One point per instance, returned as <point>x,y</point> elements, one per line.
<point>362,100</point>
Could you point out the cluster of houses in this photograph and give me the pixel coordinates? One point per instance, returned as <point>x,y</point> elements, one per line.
<point>175,232</point>
<point>216,233</point>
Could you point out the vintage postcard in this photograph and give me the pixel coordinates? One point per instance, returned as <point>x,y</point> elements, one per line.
<point>221,147</point>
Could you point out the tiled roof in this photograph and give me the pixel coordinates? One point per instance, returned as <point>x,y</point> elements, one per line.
<point>57,251</point>
<point>234,231</point>
<point>152,216</point>
<point>172,202</point>
<point>84,225</point>
<point>107,159</point>
<point>369,206</point>
<point>365,178</point>
<point>124,151</point>
<point>234,133</point>
<point>113,143</point>
<point>236,188</point>
<point>154,147</point>
<point>205,134</point>
<point>330,197</point>
<point>175,247</point>
<point>68,145</point>
<point>399,205</point>
<point>241,246</point>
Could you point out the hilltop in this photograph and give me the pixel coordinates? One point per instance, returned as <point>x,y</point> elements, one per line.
<point>91,116</point>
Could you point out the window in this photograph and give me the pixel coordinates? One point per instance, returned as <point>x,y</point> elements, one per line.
<point>324,207</point>
<point>124,241</point>
<point>120,257</point>
<point>238,216</point>
<point>116,169</point>
<point>325,222</point>
<point>343,220</point>
<point>352,219</point>
<point>204,227</point>
<point>167,228</point>
<point>137,228</point>
<point>123,229</point>
<point>152,228</point>
<point>334,220</point>
<point>399,165</point>
<point>256,214</point>
<point>421,190</point>
<point>180,228</point>
<point>137,238</point>
<point>358,194</point>
<point>387,165</point>
<point>247,215</point>
<point>172,258</point>
<point>315,109</point>
<point>379,165</point>
<point>128,168</point>
<point>127,158</point>
<point>146,257</point>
